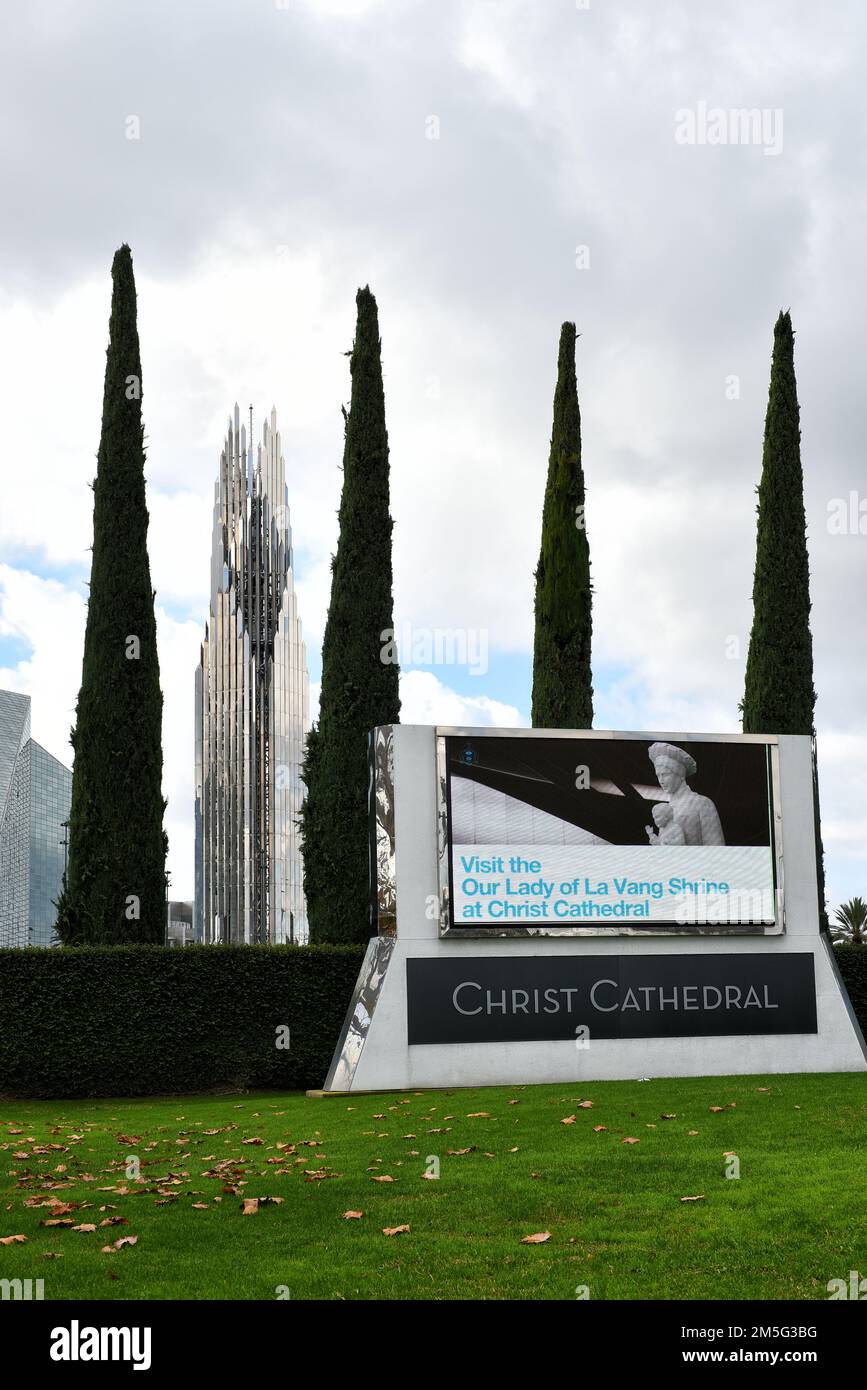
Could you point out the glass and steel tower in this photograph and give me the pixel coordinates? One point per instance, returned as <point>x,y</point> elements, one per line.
<point>252,708</point>
<point>35,794</point>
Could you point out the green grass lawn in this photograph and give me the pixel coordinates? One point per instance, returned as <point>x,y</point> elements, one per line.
<point>793,1219</point>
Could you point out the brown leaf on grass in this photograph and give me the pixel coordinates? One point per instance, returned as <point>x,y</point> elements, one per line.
<point>668,1117</point>
<point>431,1177</point>
<point>58,1221</point>
<point>86,1227</point>
<point>715,1109</point>
<point>250,1207</point>
<point>57,1207</point>
<point>13,1240</point>
<point>585,1105</point>
<point>197,1206</point>
<point>384,1177</point>
<point>125,1240</point>
<point>352,1215</point>
<point>630,1140</point>
<point>699,1198</point>
<point>114,1221</point>
<point>599,1129</point>
<point>394,1230</point>
<point>514,1150</point>
<point>569,1120</point>
<point>538,1239</point>
<point>52,1254</point>
<point>317,1174</point>
<point>692,1132</point>
<point>471,1148</point>
<point>479,1115</point>
<point>252,1141</point>
<point>271,1201</point>
<point>730,1153</point>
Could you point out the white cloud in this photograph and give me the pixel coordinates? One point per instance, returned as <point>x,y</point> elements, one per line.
<point>425,700</point>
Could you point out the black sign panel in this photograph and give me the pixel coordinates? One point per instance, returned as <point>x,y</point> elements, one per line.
<point>465,999</point>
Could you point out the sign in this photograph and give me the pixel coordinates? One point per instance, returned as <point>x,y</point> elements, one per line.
<point>481,999</point>
<point>571,834</point>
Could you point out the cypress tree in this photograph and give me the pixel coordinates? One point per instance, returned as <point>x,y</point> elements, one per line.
<point>115,884</point>
<point>778,695</point>
<point>359,660</point>
<point>562,678</point>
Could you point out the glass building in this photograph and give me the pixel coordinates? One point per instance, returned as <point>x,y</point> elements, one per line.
<point>251,708</point>
<point>35,794</point>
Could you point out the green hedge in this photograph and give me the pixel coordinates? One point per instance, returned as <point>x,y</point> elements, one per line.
<point>153,1020</point>
<point>852,961</point>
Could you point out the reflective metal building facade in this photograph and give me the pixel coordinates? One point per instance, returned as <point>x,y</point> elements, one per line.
<point>35,795</point>
<point>251,708</point>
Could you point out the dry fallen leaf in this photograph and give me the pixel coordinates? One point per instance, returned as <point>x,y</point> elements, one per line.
<point>352,1215</point>
<point>599,1129</point>
<point>538,1239</point>
<point>479,1115</point>
<point>125,1240</point>
<point>668,1117</point>
<point>114,1221</point>
<point>197,1206</point>
<point>630,1141</point>
<point>13,1240</point>
<point>250,1207</point>
<point>394,1230</point>
<point>384,1177</point>
<point>699,1198</point>
<point>692,1131</point>
<point>569,1120</point>
<point>715,1109</point>
<point>585,1105</point>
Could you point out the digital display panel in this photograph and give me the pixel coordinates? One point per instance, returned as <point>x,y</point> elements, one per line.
<point>548,834</point>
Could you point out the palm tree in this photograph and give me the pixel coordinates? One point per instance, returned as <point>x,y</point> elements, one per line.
<point>852,917</point>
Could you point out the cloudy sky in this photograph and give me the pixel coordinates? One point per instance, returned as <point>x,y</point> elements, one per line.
<point>490,168</point>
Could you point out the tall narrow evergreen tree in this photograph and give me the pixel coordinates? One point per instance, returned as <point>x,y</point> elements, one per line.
<point>359,665</point>
<point>115,884</point>
<point>778,696</point>
<point>562,678</point>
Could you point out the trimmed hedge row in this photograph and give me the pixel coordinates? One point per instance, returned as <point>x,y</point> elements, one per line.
<point>153,1020</point>
<point>852,961</point>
